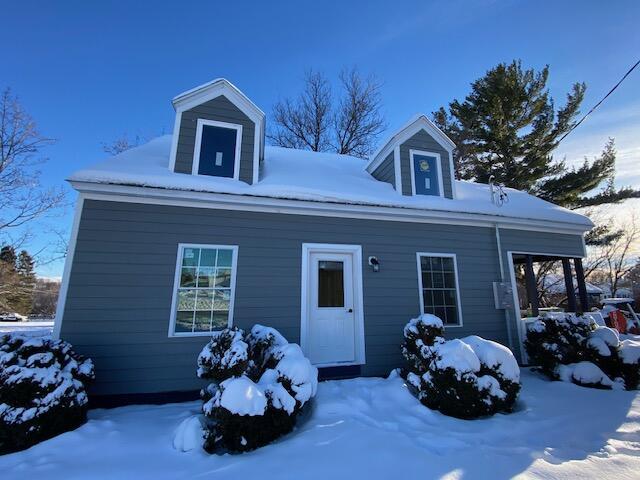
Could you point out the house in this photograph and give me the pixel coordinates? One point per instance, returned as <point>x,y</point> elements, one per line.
<point>208,227</point>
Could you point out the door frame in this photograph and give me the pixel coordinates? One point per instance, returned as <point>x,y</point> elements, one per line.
<point>358,302</point>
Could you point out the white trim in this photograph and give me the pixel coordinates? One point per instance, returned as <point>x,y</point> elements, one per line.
<point>221,201</point>
<point>195,164</point>
<point>396,169</point>
<point>257,147</point>
<point>68,262</point>
<point>210,90</point>
<point>412,165</point>
<point>514,287</point>
<point>176,284</point>
<point>420,287</point>
<point>174,141</point>
<point>413,126</point>
<point>358,306</point>
<point>452,176</point>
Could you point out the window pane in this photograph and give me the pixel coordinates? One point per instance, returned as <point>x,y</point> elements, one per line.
<point>204,300</point>
<point>449,297</point>
<point>217,151</point>
<point>438,297</point>
<point>186,299</point>
<point>221,300</point>
<point>426,280</point>
<point>190,257</point>
<point>208,257</point>
<point>438,280</point>
<point>188,277</point>
<point>447,264</point>
<point>202,321</point>
<point>206,277</point>
<point>450,280</point>
<point>220,319</point>
<point>428,298</point>
<point>330,284</point>
<point>223,277</point>
<point>440,313</point>
<point>436,264</point>
<point>426,174</point>
<point>224,258</point>
<point>452,315</point>
<point>425,263</point>
<point>184,321</point>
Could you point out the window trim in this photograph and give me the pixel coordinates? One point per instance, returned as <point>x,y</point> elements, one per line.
<point>176,284</point>
<point>412,154</point>
<point>419,255</point>
<point>202,122</point>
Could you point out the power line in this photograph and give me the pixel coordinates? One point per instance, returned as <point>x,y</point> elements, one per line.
<point>602,100</point>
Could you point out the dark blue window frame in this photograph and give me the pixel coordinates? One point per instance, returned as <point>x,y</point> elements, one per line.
<point>217,151</point>
<point>426,174</point>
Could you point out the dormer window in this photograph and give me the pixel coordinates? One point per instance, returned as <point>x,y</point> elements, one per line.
<point>426,177</point>
<point>217,149</point>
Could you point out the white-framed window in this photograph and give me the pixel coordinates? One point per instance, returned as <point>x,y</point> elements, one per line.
<point>439,288</point>
<point>426,173</point>
<point>203,290</point>
<point>217,149</point>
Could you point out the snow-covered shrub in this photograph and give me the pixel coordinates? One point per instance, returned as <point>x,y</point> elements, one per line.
<point>42,390</point>
<point>568,347</point>
<point>464,378</point>
<point>261,382</point>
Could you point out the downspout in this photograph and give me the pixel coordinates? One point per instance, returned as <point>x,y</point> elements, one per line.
<point>502,279</point>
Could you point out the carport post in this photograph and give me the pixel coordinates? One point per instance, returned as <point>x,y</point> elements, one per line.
<point>582,285</point>
<point>568,284</point>
<point>532,291</point>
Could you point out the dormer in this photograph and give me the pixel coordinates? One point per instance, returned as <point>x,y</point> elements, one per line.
<point>218,132</point>
<point>417,160</point>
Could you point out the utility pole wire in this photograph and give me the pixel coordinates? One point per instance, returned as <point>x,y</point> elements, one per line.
<point>598,104</point>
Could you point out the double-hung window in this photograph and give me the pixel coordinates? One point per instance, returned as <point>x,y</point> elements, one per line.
<point>439,291</point>
<point>204,288</point>
<point>217,149</point>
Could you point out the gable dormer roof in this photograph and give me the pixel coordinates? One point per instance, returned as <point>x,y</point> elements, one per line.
<point>418,122</point>
<point>220,87</point>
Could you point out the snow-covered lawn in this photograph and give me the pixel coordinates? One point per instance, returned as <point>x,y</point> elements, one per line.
<point>365,428</point>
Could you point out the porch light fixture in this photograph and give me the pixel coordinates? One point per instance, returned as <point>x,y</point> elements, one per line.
<point>373,261</point>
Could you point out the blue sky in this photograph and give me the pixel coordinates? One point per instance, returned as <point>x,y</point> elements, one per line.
<point>90,71</point>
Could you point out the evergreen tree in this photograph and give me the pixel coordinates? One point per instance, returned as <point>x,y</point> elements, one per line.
<point>508,127</point>
<point>27,282</point>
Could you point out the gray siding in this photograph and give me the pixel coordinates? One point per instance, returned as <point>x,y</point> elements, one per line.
<point>386,171</point>
<point>220,109</point>
<point>423,141</point>
<point>120,288</point>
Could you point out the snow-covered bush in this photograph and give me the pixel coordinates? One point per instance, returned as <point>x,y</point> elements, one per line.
<point>464,378</point>
<point>42,390</point>
<point>569,347</point>
<point>261,382</point>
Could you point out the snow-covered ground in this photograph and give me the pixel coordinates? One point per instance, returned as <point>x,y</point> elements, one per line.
<point>365,428</point>
<point>32,329</point>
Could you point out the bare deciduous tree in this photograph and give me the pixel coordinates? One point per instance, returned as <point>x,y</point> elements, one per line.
<point>316,122</point>
<point>121,144</point>
<point>22,197</point>
<point>304,122</point>
<point>357,121</point>
<point>614,260</point>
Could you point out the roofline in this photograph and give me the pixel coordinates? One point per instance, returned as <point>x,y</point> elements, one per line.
<point>419,119</point>
<point>226,201</point>
<point>195,93</point>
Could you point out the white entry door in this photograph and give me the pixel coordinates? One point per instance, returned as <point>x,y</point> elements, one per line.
<point>331,328</point>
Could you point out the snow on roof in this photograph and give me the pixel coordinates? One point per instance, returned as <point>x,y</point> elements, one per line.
<point>312,176</point>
